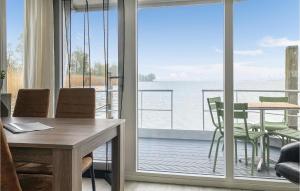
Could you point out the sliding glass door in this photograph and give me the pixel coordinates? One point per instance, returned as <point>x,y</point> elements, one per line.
<point>193,52</point>
<point>266,70</point>
<point>180,62</point>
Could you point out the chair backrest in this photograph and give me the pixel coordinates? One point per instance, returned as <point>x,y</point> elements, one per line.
<point>213,109</point>
<point>76,103</point>
<point>9,178</point>
<point>32,103</point>
<point>275,99</point>
<point>240,113</point>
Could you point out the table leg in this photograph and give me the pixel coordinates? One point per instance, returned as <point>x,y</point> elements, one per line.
<point>67,170</point>
<point>118,161</point>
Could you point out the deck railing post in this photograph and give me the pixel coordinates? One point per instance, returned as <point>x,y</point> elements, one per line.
<point>141,110</point>
<point>172,109</point>
<point>203,111</point>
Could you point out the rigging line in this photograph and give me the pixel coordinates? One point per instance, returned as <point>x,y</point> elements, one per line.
<point>107,54</point>
<point>123,60</point>
<point>83,64</point>
<point>107,33</point>
<point>106,74</point>
<point>105,60</point>
<point>70,42</point>
<point>62,50</point>
<point>89,43</point>
<point>107,68</point>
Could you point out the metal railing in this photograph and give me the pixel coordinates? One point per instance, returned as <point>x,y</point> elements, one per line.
<point>141,109</point>
<point>102,108</point>
<point>236,99</point>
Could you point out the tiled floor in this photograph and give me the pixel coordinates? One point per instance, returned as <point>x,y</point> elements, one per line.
<point>190,157</point>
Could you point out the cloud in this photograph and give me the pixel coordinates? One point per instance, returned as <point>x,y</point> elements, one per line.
<point>255,52</point>
<point>248,52</point>
<point>269,41</point>
<point>256,71</point>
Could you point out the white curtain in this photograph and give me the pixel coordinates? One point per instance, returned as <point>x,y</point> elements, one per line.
<point>3,37</point>
<point>39,46</point>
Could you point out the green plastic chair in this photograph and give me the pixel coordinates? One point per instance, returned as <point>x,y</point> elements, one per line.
<point>213,113</point>
<point>273,126</point>
<point>289,134</point>
<point>252,137</point>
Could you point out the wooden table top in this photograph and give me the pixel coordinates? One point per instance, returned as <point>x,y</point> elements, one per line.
<point>272,106</point>
<point>67,133</point>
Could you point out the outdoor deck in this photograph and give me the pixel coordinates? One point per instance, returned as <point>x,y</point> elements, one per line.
<point>189,157</point>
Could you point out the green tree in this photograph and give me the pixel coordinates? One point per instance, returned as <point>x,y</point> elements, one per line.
<point>147,78</point>
<point>77,61</point>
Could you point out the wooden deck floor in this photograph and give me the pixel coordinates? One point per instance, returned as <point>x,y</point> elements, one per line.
<point>189,157</point>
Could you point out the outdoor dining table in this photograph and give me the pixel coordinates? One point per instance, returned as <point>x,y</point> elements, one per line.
<point>262,107</point>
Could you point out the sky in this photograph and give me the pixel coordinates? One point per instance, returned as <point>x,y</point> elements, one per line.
<point>185,43</point>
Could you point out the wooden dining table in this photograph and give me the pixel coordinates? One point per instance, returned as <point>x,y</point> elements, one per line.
<point>262,107</point>
<point>66,144</point>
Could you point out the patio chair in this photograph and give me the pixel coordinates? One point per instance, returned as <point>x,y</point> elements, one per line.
<point>278,128</point>
<point>289,134</point>
<point>240,113</point>
<point>213,111</point>
<point>271,126</point>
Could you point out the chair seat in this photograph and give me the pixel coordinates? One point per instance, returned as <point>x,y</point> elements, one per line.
<point>289,133</point>
<point>289,170</point>
<point>36,168</point>
<point>34,182</point>
<point>249,125</point>
<point>253,135</point>
<point>273,126</point>
<point>242,126</point>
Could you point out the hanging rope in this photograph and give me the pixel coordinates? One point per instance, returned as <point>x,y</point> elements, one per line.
<point>89,41</point>
<point>105,9</point>
<point>121,90</point>
<point>83,62</point>
<point>105,49</point>
<point>86,31</point>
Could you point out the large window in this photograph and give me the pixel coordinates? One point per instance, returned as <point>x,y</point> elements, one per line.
<point>90,52</point>
<point>15,42</point>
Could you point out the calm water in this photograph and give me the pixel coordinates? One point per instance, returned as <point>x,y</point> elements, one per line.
<point>185,112</point>
<point>188,105</point>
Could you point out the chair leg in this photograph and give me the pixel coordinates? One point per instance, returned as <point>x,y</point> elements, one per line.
<point>256,150</point>
<point>235,148</point>
<point>252,162</point>
<point>282,141</point>
<point>92,173</point>
<point>268,151</point>
<point>212,143</point>
<point>246,155</point>
<point>223,147</point>
<point>216,155</point>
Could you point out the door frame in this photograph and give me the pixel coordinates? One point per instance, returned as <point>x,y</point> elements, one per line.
<point>130,114</point>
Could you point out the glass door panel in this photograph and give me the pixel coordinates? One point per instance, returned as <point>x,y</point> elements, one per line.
<point>266,40</point>
<point>180,66</point>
